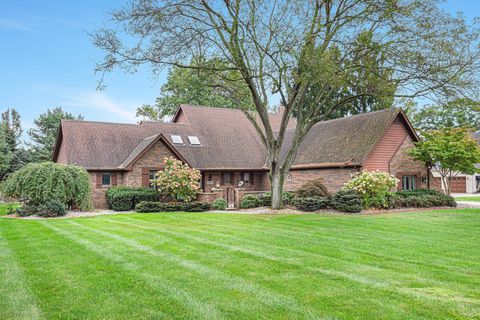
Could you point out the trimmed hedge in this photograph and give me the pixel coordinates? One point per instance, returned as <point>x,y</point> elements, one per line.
<point>249,201</point>
<point>312,203</point>
<point>219,204</point>
<point>418,192</point>
<point>52,208</point>
<point>156,206</point>
<point>399,200</point>
<point>123,198</point>
<point>265,199</point>
<point>26,210</point>
<point>347,201</point>
<point>313,188</point>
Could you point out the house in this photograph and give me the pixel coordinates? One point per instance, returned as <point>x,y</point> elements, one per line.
<point>225,147</point>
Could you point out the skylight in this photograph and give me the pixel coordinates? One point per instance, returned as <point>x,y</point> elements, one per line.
<point>194,140</point>
<point>176,139</point>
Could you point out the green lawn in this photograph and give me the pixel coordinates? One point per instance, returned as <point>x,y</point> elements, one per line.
<point>467,198</point>
<point>210,266</point>
<point>6,207</point>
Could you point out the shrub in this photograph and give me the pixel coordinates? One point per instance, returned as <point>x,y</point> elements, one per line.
<point>399,200</point>
<point>178,180</point>
<point>219,204</point>
<point>312,203</point>
<point>249,201</point>
<point>265,199</point>
<point>123,198</point>
<point>26,210</point>
<point>156,206</point>
<point>52,208</point>
<point>347,201</point>
<point>37,183</point>
<point>418,192</point>
<point>313,188</point>
<point>373,186</point>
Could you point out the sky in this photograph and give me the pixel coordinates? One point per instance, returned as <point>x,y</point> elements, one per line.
<point>47,60</point>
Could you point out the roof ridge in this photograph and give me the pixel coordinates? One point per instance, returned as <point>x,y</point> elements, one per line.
<point>361,115</point>
<point>102,122</point>
<point>207,107</point>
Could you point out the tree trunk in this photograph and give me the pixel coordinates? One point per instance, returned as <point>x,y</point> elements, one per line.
<point>276,179</point>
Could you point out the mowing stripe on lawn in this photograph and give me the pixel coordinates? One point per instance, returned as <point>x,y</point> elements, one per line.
<point>202,309</point>
<point>20,303</point>
<point>306,239</point>
<point>384,284</point>
<point>266,296</point>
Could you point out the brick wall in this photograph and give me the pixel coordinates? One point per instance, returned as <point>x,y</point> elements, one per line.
<point>99,197</point>
<point>216,179</point>
<point>402,164</point>
<point>152,159</point>
<point>333,179</point>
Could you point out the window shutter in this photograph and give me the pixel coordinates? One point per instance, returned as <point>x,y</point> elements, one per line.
<point>99,179</point>
<point>222,178</point>
<point>145,177</point>
<point>252,179</point>
<point>232,178</point>
<point>114,178</point>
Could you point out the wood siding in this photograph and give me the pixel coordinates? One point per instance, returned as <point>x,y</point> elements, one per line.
<point>380,157</point>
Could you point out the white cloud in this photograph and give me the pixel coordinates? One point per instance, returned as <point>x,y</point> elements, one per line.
<point>97,100</point>
<point>16,25</point>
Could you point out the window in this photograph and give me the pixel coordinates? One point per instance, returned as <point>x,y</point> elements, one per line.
<point>106,179</point>
<point>409,182</point>
<point>194,140</point>
<point>176,139</point>
<point>246,177</point>
<point>226,178</point>
<point>152,174</point>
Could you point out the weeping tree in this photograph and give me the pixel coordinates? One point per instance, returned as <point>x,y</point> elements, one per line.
<point>314,57</point>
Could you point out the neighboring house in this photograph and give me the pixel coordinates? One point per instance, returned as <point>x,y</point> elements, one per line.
<point>461,183</point>
<point>225,147</point>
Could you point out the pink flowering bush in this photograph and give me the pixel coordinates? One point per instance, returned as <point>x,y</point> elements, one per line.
<point>178,180</point>
<point>373,186</point>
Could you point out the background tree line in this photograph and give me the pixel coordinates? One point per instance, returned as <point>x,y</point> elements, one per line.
<point>15,152</point>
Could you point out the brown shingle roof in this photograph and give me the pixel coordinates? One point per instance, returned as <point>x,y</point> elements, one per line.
<point>228,140</point>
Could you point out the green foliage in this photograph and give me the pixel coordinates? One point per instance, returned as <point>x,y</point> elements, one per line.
<point>198,87</point>
<point>219,204</point>
<point>451,150</point>
<point>399,200</point>
<point>373,186</point>
<point>12,156</point>
<point>265,199</point>
<point>156,206</point>
<point>178,180</point>
<point>26,210</point>
<point>121,198</point>
<point>44,132</point>
<point>314,203</point>
<point>417,192</point>
<point>51,208</point>
<point>313,188</point>
<point>459,113</point>
<point>347,201</point>
<point>249,201</point>
<point>38,183</point>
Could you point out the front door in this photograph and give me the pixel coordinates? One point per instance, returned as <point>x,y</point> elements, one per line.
<point>230,197</point>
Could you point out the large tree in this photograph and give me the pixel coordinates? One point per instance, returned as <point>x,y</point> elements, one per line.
<point>450,151</point>
<point>306,53</point>
<point>196,86</point>
<point>458,113</point>
<point>13,155</point>
<point>44,132</point>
